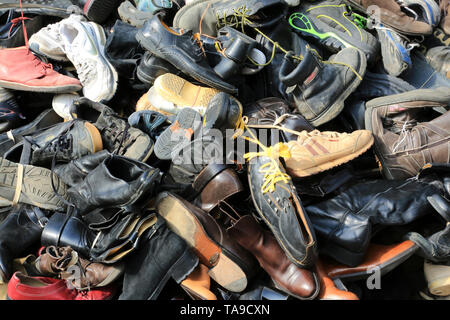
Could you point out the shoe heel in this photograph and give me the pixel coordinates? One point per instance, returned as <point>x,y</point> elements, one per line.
<point>184,266</point>
<point>352,259</point>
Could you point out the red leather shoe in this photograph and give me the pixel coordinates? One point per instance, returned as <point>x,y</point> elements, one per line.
<point>22,287</point>
<point>20,69</point>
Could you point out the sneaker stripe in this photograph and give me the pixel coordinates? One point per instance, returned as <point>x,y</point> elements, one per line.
<point>311,150</point>
<point>320,147</point>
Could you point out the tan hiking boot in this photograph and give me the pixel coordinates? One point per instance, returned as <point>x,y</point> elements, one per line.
<point>171,93</point>
<point>317,151</point>
<point>438,278</point>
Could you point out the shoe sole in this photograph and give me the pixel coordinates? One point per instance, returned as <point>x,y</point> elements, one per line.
<point>331,164</point>
<point>189,121</point>
<point>98,35</point>
<point>48,89</point>
<point>225,272</point>
<point>335,109</point>
<point>36,187</point>
<point>183,93</point>
<point>440,287</point>
<point>332,38</point>
<point>96,138</point>
<point>98,11</point>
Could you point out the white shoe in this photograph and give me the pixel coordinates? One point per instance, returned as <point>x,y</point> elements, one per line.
<point>48,42</point>
<point>438,278</point>
<point>84,45</point>
<point>61,104</point>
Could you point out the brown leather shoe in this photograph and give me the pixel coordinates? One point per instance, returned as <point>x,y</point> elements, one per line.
<point>328,290</point>
<point>403,144</point>
<point>229,264</point>
<point>392,15</point>
<point>64,263</point>
<point>300,283</point>
<point>198,283</point>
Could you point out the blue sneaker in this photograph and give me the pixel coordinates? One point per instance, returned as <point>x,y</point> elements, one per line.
<point>395,51</point>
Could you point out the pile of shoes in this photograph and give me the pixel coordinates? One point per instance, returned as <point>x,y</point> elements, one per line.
<point>248,150</point>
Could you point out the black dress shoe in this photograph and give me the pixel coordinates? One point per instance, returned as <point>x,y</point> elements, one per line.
<point>117,181</point>
<point>45,120</point>
<point>181,50</point>
<point>151,67</point>
<point>20,230</point>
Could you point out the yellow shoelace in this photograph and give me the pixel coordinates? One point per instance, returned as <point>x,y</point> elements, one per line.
<point>271,170</point>
<point>241,17</point>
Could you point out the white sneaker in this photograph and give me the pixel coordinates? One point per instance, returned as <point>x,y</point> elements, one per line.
<point>84,45</point>
<point>61,103</point>
<point>48,42</point>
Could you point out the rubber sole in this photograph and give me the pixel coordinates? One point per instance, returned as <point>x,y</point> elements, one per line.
<point>221,268</point>
<point>301,173</point>
<point>168,107</point>
<point>95,136</point>
<point>179,133</point>
<point>131,15</point>
<point>48,89</point>
<point>36,187</point>
<point>183,93</point>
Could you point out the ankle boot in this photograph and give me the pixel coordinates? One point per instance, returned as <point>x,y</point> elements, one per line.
<point>20,230</point>
<point>319,90</point>
<point>117,181</point>
<point>162,256</point>
<point>300,283</point>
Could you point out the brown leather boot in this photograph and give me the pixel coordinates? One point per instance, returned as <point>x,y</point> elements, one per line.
<point>403,144</point>
<point>64,263</point>
<point>391,14</point>
<point>300,283</point>
<point>445,11</point>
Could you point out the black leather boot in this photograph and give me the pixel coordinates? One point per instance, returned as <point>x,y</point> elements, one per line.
<point>117,181</point>
<point>436,248</point>
<point>344,223</point>
<point>162,255</point>
<point>319,90</point>
<point>20,230</point>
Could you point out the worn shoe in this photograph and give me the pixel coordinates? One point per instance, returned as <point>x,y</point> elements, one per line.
<point>438,278</point>
<point>48,42</point>
<point>335,26</point>
<point>117,136</point>
<point>30,185</point>
<point>171,93</point>
<point>395,51</point>
<point>84,45</point>
<point>182,50</point>
<point>151,67</point>
<point>319,90</point>
<point>215,14</point>
<point>224,113</point>
<point>439,59</point>
<point>137,17</point>
<point>10,114</point>
<point>44,120</point>
<point>316,151</point>
<point>229,264</point>
<point>179,134</point>
<point>63,142</point>
<point>403,145</point>
<point>62,262</point>
<point>117,181</point>
<point>22,287</point>
<point>20,69</point>
<point>197,284</point>
<point>20,230</point>
<point>435,248</point>
<point>62,103</point>
<point>11,28</point>
<point>279,205</point>
<point>391,15</point>
<point>300,283</point>
<point>428,10</point>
